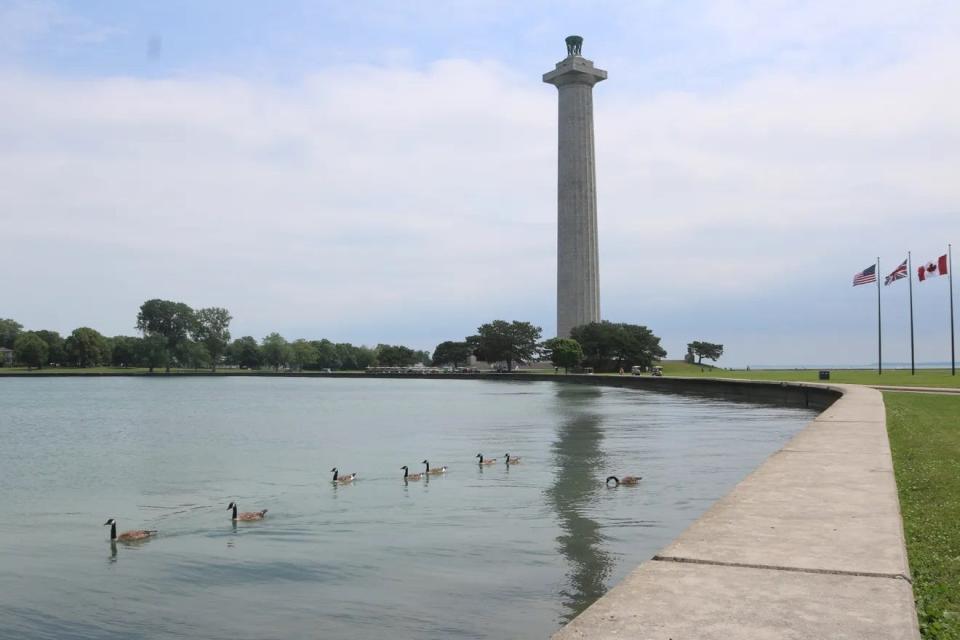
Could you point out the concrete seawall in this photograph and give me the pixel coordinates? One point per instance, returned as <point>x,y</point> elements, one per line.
<point>810,546</point>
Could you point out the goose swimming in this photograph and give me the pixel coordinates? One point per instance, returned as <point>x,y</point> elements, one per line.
<point>134,535</point>
<point>245,516</point>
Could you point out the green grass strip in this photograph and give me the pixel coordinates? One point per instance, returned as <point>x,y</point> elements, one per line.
<point>925,438</point>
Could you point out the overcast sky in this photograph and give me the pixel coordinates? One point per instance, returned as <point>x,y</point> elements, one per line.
<point>386,172</point>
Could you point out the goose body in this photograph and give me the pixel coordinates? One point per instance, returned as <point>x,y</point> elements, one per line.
<point>134,535</point>
<point>627,480</point>
<point>436,470</point>
<point>486,460</point>
<point>245,516</point>
<point>350,477</point>
<point>410,476</point>
<point>513,459</point>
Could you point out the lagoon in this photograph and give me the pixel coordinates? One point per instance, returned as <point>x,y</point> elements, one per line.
<point>480,552</point>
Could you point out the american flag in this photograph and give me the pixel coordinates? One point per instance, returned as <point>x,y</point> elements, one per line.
<point>866,276</point>
<point>898,273</point>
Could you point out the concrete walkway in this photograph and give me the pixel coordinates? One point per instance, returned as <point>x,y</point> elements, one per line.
<point>810,546</point>
<point>940,390</point>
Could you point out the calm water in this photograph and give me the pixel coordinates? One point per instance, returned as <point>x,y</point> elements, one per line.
<point>495,552</point>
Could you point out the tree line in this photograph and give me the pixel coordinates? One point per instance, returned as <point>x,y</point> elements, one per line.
<point>603,346</point>
<point>172,334</point>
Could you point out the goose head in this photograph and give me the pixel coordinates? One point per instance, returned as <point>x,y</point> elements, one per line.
<point>231,506</point>
<point>109,522</point>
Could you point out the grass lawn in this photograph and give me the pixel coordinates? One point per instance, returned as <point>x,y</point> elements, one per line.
<point>925,439</point>
<point>894,377</point>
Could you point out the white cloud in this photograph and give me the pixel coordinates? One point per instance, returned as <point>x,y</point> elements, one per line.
<point>384,198</point>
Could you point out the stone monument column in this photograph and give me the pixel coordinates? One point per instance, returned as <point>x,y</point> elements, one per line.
<point>578,281</point>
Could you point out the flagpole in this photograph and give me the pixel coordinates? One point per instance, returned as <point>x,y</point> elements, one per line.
<point>879,326</point>
<point>953,355</point>
<point>913,369</point>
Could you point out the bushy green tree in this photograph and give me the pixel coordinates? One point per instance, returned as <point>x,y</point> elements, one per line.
<point>502,341</point>
<point>152,352</point>
<point>193,355</point>
<point>9,330</point>
<point>174,321</point>
<point>125,351</point>
<point>55,352</point>
<point>327,355</point>
<point>30,349</point>
<point>245,352</point>
<point>452,353</point>
<point>707,350</point>
<point>563,352</point>
<point>395,355</point>
<point>609,346</point>
<point>212,330</point>
<point>355,358</point>
<point>302,353</point>
<point>85,347</point>
<point>275,351</point>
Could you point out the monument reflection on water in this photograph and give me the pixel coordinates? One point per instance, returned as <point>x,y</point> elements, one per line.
<point>577,456</point>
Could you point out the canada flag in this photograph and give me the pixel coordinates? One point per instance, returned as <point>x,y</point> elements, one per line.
<point>938,268</point>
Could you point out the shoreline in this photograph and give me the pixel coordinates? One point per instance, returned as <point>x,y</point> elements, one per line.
<point>809,545</point>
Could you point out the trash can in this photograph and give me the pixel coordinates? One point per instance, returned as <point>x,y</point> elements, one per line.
<point>824,375</point>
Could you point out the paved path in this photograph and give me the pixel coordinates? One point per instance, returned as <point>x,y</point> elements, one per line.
<point>941,390</point>
<point>809,546</point>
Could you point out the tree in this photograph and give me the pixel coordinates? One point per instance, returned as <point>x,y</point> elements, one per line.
<point>302,353</point>
<point>707,350</point>
<point>422,356</point>
<point>327,355</point>
<point>126,351</point>
<point>395,355</point>
<point>564,352</point>
<point>609,346</point>
<point>355,358</point>
<point>275,350</point>
<point>212,330</point>
<point>245,353</point>
<point>30,349</point>
<point>9,330</point>
<point>193,355</point>
<point>502,341</point>
<point>452,353</point>
<point>174,321</point>
<point>85,347</point>
<point>152,352</point>
<point>55,352</point>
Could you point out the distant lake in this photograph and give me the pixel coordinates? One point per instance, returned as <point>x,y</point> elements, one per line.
<point>491,552</point>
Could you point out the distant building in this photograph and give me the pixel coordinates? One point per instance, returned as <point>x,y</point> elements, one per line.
<point>6,356</point>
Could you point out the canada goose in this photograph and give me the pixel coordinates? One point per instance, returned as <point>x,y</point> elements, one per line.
<point>410,476</point>
<point>513,460</point>
<point>436,470</point>
<point>128,536</point>
<point>629,480</point>
<point>245,516</point>
<point>350,477</point>
<point>486,460</point>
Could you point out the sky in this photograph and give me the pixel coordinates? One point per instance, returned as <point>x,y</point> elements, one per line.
<point>386,172</point>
